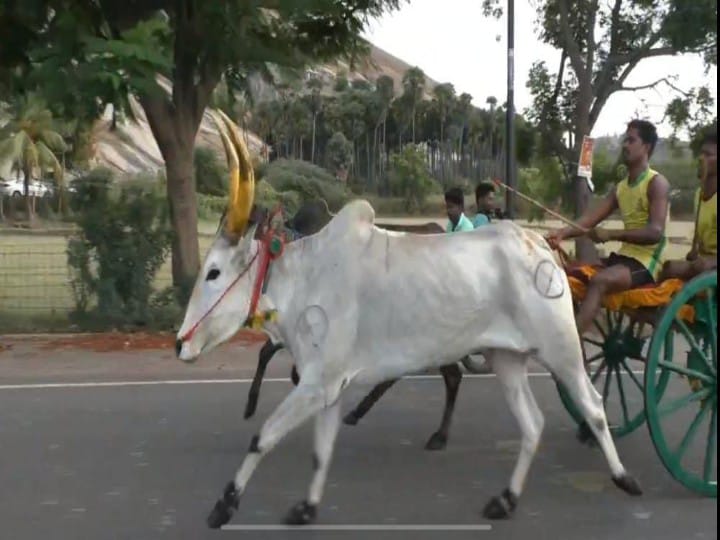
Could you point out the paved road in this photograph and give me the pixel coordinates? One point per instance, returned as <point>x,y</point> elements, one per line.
<point>136,462</point>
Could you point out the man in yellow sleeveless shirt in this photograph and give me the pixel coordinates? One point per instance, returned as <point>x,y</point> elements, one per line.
<point>703,254</point>
<point>642,198</point>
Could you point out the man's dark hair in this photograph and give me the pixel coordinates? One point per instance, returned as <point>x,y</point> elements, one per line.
<point>483,188</point>
<point>710,138</point>
<point>455,196</point>
<point>647,131</point>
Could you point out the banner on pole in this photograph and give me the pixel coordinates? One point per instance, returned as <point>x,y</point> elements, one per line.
<point>585,162</point>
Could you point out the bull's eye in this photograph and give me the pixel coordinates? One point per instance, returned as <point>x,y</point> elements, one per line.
<point>212,274</point>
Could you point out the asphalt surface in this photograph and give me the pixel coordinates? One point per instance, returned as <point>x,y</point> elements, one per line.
<point>149,461</point>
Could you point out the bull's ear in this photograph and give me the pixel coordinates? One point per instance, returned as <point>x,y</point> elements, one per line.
<point>244,245</point>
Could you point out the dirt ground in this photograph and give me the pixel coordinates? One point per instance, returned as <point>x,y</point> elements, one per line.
<point>117,356</point>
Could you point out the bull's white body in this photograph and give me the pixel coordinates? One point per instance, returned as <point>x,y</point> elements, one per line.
<point>357,304</point>
<point>369,305</point>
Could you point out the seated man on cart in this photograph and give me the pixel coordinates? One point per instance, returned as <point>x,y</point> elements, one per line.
<point>703,254</point>
<point>642,198</point>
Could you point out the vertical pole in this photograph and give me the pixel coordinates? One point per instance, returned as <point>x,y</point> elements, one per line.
<point>510,176</point>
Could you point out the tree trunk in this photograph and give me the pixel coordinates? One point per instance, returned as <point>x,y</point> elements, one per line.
<point>175,137</point>
<point>312,146</point>
<point>375,158</point>
<point>368,172</point>
<point>29,199</point>
<point>585,250</point>
<point>183,216</point>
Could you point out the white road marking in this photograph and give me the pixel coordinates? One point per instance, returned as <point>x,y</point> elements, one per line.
<point>113,384</point>
<point>379,527</point>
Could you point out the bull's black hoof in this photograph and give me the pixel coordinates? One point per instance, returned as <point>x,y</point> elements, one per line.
<point>628,484</point>
<point>351,419</point>
<point>501,507</point>
<point>303,513</point>
<point>224,508</point>
<point>437,441</point>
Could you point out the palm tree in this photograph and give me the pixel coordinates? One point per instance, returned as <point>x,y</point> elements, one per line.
<point>413,84</point>
<point>445,98</point>
<point>315,104</point>
<point>29,141</point>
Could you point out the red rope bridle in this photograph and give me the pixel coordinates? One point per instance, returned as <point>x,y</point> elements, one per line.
<point>271,246</point>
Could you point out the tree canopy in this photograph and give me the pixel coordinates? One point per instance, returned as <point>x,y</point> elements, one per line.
<point>601,44</point>
<point>170,55</point>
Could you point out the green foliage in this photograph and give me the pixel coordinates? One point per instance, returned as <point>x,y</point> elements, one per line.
<point>544,183</point>
<point>410,178</point>
<point>568,102</point>
<point>339,152</point>
<point>307,180</point>
<point>124,239</point>
<point>211,174</point>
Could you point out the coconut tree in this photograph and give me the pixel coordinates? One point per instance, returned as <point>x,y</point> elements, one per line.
<point>29,142</point>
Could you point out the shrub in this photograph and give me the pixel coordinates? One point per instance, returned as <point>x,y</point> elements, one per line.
<point>410,177</point>
<point>124,239</point>
<point>211,174</point>
<point>309,181</point>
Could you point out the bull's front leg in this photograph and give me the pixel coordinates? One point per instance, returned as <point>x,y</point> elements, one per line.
<point>303,402</point>
<point>327,423</point>
<point>266,353</point>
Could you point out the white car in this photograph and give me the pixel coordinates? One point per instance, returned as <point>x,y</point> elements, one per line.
<point>16,188</point>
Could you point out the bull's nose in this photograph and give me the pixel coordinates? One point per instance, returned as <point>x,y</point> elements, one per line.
<point>178,347</point>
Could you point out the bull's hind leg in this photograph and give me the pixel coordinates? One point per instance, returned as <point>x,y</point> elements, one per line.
<point>266,353</point>
<point>568,369</point>
<point>452,377</point>
<point>303,402</point>
<point>511,370</point>
<point>327,423</point>
<point>354,416</point>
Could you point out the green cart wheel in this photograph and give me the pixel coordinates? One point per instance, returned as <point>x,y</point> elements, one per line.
<point>691,402</point>
<point>615,362</point>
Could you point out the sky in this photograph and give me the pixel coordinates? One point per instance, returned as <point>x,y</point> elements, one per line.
<point>452,42</point>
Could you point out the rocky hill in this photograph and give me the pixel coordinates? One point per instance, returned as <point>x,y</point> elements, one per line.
<point>131,148</point>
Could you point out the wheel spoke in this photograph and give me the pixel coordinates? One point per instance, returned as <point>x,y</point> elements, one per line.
<point>598,372</point>
<point>593,342</point>
<point>677,404</point>
<point>622,395</point>
<point>606,388</point>
<point>711,307</point>
<point>691,431</point>
<point>632,376</point>
<point>710,450</point>
<point>686,371</point>
<point>598,356</point>
<point>694,344</point>
<point>600,328</point>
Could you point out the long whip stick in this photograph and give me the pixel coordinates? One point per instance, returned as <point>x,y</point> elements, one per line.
<point>543,207</point>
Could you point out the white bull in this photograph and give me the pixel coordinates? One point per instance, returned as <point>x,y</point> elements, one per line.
<point>357,304</point>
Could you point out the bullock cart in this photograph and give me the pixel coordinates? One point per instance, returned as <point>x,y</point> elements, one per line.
<point>645,342</point>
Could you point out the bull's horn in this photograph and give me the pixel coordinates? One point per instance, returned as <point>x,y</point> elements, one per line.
<point>233,165</point>
<point>242,195</point>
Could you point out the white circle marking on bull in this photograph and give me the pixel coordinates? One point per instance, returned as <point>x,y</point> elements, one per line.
<point>549,280</point>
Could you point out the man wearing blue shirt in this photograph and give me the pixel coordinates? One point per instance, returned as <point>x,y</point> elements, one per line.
<point>485,202</point>
<point>455,206</point>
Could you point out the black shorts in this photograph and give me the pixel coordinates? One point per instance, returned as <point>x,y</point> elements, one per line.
<point>639,274</point>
